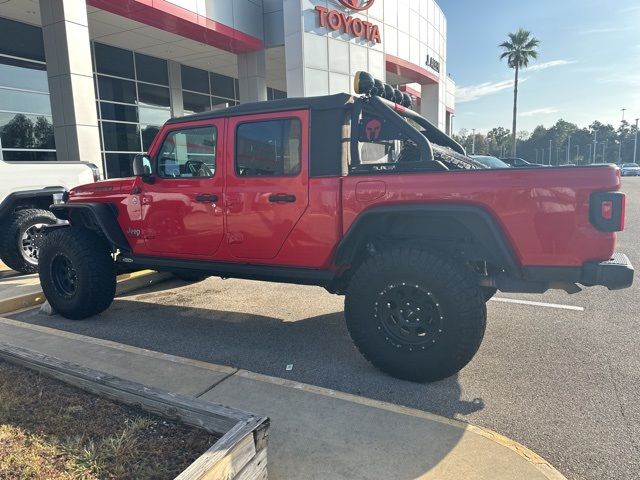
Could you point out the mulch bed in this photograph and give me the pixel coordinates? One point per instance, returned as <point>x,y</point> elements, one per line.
<point>49,430</point>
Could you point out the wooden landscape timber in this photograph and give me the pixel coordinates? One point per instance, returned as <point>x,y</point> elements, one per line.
<point>239,454</point>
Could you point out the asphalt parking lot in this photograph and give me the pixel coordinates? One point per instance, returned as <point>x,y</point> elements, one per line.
<point>562,379</point>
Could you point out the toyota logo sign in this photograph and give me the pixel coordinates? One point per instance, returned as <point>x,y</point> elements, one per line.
<point>358,5</point>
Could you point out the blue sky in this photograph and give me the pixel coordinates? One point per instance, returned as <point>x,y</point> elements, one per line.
<point>588,68</point>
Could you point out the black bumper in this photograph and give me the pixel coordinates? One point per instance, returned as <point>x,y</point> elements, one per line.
<point>614,274</point>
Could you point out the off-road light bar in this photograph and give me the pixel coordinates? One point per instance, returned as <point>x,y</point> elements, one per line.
<point>365,84</point>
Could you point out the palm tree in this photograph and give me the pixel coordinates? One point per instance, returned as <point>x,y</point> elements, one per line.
<point>518,50</point>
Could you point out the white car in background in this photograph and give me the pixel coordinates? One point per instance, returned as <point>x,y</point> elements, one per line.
<point>26,192</point>
<point>630,170</point>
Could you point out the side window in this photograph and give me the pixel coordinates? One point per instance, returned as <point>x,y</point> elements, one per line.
<point>381,146</point>
<point>269,148</point>
<point>188,153</point>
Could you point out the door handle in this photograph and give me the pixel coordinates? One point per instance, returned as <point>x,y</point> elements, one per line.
<point>206,198</point>
<point>282,198</point>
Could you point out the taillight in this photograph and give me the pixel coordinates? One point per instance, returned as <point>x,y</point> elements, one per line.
<point>607,211</point>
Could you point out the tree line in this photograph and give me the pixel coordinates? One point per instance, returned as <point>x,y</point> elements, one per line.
<point>563,143</point>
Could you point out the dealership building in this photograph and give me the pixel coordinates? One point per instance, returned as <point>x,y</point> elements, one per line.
<point>94,80</point>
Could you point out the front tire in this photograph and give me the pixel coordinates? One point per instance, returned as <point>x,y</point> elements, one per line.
<point>21,237</point>
<point>77,272</point>
<point>415,315</point>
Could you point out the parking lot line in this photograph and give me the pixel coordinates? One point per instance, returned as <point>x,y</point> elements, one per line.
<point>538,304</point>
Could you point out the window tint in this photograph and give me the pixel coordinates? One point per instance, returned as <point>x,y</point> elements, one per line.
<point>114,61</point>
<point>121,137</point>
<point>221,103</point>
<point>195,79</point>
<point>222,86</point>
<point>119,164</point>
<point>270,148</point>
<point>151,69</point>
<point>21,40</point>
<point>117,90</point>
<point>151,95</point>
<point>28,156</point>
<point>188,153</point>
<point>115,111</point>
<point>149,132</point>
<point>195,103</point>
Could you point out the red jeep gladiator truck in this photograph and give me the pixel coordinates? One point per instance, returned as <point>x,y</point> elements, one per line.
<point>357,194</point>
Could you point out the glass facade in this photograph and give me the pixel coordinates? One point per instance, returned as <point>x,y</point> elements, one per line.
<point>133,102</point>
<point>202,90</point>
<point>26,124</point>
<point>133,98</point>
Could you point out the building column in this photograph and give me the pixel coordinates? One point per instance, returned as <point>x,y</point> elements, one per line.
<point>175,88</point>
<point>430,103</point>
<point>65,29</point>
<point>252,76</point>
<point>293,13</point>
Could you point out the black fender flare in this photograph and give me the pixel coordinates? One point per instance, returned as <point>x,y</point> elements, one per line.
<point>104,215</point>
<point>486,231</point>
<point>9,203</point>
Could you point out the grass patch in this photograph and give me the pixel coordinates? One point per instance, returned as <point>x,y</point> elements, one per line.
<point>49,430</point>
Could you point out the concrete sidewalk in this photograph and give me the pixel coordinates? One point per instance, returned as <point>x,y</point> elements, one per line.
<point>315,432</point>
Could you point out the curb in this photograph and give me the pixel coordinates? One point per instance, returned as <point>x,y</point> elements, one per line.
<point>240,451</point>
<point>543,466</point>
<point>126,283</point>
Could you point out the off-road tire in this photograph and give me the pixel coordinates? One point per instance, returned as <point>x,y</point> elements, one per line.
<point>12,231</point>
<point>89,258</point>
<point>446,306</point>
<point>190,276</point>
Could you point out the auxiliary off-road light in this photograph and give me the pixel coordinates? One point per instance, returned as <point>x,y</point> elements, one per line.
<point>397,97</point>
<point>389,94</point>
<point>365,84</point>
<point>379,90</point>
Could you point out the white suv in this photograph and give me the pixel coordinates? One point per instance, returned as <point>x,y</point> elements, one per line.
<point>26,192</point>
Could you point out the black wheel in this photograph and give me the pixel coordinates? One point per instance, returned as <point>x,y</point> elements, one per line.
<point>190,276</point>
<point>488,293</point>
<point>77,272</point>
<point>21,236</point>
<point>415,315</point>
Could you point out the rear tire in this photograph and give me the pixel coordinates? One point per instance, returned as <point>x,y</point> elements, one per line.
<point>21,236</point>
<point>415,315</point>
<point>77,272</point>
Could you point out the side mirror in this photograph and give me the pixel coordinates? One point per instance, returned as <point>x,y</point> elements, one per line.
<point>141,165</point>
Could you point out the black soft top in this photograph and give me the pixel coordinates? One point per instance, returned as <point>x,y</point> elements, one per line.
<point>327,102</point>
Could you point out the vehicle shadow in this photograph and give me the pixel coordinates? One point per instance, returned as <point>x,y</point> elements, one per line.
<point>318,348</point>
